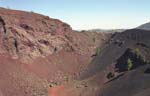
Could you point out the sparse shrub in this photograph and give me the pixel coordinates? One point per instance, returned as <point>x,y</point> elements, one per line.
<point>98,50</point>
<point>66,78</point>
<point>129,64</point>
<point>94,39</point>
<point>83,30</point>
<point>110,75</point>
<point>53,84</point>
<point>55,49</point>
<point>136,51</point>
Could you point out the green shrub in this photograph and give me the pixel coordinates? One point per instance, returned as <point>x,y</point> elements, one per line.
<point>98,50</point>
<point>136,51</point>
<point>129,64</point>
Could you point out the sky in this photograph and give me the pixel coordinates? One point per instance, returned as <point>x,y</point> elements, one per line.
<point>88,14</point>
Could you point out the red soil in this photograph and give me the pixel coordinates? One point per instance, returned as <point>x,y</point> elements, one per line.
<point>56,91</point>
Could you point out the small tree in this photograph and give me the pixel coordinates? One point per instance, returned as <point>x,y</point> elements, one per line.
<point>129,64</point>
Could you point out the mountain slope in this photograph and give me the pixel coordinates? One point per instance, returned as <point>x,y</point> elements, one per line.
<point>41,56</point>
<point>118,78</point>
<point>37,52</point>
<point>144,26</point>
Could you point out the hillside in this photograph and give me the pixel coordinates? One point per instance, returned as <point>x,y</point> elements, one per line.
<point>125,71</point>
<point>145,26</point>
<point>107,30</point>
<point>37,51</point>
<point>42,56</point>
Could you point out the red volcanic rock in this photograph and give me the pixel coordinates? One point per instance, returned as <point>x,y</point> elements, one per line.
<point>36,50</point>
<point>27,35</point>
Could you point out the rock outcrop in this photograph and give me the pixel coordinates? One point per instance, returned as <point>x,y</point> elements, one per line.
<point>28,35</point>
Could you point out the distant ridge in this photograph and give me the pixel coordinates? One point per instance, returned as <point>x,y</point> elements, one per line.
<point>145,26</point>
<point>106,30</point>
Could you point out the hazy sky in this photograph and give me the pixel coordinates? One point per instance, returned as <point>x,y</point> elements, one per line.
<point>89,14</point>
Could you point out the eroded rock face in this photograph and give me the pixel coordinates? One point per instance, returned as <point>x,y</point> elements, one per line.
<point>27,35</point>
